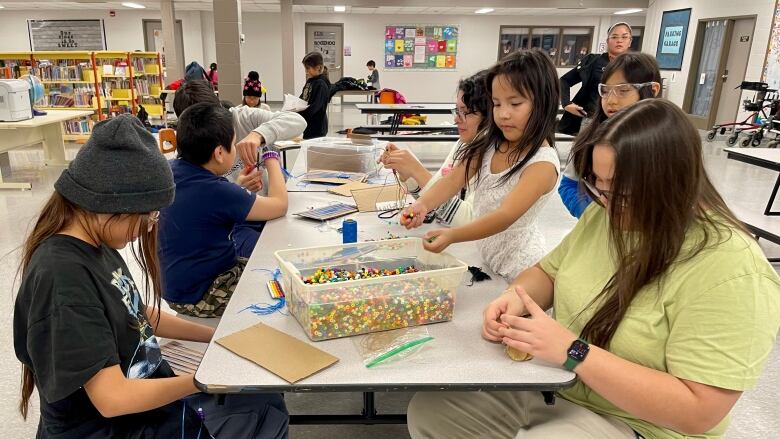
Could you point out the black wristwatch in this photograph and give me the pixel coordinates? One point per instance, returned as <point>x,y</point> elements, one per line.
<point>576,354</point>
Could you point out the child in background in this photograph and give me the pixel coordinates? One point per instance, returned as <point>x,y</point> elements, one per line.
<point>86,338</point>
<point>199,251</point>
<point>317,93</point>
<point>513,168</point>
<point>627,79</point>
<point>253,91</point>
<point>373,76</point>
<point>213,76</point>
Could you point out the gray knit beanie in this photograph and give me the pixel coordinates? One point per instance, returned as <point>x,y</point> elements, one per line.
<point>119,170</point>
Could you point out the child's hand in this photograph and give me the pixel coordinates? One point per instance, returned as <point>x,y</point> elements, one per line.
<point>413,216</point>
<point>250,178</point>
<point>247,147</point>
<point>402,161</point>
<point>437,240</point>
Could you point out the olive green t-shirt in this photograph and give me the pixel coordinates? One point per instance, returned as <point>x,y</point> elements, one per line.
<point>711,319</point>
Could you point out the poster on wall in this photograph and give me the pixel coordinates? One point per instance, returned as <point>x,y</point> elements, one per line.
<point>56,35</point>
<point>419,47</point>
<point>325,43</point>
<point>671,41</point>
<point>772,61</point>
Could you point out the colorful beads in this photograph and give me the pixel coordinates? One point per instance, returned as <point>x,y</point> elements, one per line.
<point>329,275</point>
<point>343,311</point>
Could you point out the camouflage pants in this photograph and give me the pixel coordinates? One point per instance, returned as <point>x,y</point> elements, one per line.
<point>216,298</point>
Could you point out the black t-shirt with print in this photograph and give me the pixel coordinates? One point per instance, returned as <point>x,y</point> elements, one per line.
<point>79,311</point>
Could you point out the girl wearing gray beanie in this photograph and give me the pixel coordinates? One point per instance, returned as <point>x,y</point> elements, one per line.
<point>85,337</point>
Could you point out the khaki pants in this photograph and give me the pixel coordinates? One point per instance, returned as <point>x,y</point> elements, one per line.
<point>520,415</point>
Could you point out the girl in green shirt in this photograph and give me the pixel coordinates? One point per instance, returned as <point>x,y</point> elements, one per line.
<point>664,306</point>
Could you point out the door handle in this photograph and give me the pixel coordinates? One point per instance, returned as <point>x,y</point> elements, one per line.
<point>725,77</point>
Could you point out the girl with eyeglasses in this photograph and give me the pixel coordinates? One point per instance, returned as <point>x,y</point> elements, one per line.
<point>665,306</point>
<point>628,79</point>
<point>470,116</point>
<point>512,169</point>
<point>588,72</point>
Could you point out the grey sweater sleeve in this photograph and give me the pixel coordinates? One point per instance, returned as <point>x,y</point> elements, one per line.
<point>272,125</point>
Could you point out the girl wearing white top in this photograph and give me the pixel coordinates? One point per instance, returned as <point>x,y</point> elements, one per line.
<point>512,169</point>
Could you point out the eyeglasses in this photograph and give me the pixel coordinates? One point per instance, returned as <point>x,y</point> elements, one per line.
<point>622,90</point>
<point>607,195</point>
<point>458,114</point>
<point>619,37</point>
<point>152,219</point>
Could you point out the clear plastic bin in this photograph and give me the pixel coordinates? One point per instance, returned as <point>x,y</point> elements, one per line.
<point>352,307</point>
<point>340,154</point>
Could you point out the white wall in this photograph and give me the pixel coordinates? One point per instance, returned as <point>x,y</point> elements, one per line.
<point>478,46</point>
<point>364,33</point>
<point>707,9</point>
<point>123,32</point>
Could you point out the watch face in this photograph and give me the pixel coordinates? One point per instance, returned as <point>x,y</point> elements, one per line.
<point>578,350</point>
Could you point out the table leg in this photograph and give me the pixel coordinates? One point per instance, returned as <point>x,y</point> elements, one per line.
<point>395,121</point>
<point>368,416</point>
<point>53,145</point>
<point>768,211</point>
<point>5,166</point>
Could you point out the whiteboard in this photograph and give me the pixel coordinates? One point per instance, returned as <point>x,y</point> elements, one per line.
<point>56,35</point>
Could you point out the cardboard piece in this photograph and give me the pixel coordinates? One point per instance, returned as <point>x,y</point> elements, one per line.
<point>367,199</point>
<point>333,177</point>
<point>345,190</point>
<point>281,354</point>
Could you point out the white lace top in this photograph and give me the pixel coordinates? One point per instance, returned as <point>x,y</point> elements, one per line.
<point>521,245</point>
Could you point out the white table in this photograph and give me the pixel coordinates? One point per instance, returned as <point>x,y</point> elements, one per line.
<point>765,226</point>
<point>40,129</point>
<point>457,359</point>
<point>396,110</point>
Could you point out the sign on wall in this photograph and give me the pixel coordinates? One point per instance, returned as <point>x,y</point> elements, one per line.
<point>772,61</point>
<point>417,47</point>
<point>55,35</point>
<point>671,42</point>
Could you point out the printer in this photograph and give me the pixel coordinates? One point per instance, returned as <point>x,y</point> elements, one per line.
<point>14,100</point>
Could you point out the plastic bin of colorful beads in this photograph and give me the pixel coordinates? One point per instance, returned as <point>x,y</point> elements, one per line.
<point>342,304</point>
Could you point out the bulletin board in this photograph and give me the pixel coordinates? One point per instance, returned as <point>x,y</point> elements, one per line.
<point>421,47</point>
<point>772,61</point>
<point>57,35</point>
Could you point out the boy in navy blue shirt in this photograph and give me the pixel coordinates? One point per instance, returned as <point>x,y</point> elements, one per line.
<point>200,266</point>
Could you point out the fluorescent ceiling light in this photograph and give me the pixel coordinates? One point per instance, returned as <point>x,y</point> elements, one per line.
<point>339,9</point>
<point>627,11</point>
<point>133,5</point>
<point>484,11</point>
<point>2,7</point>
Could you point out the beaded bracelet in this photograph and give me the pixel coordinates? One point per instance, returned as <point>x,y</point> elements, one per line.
<point>270,155</point>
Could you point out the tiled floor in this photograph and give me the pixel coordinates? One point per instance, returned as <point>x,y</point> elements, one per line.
<point>743,186</point>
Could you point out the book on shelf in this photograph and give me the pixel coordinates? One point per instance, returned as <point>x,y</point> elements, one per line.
<point>75,126</point>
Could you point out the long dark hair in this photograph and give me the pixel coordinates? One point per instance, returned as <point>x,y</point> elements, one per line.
<point>59,213</point>
<point>637,68</point>
<point>475,96</point>
<point>660,193</point>
<point>534,77</point>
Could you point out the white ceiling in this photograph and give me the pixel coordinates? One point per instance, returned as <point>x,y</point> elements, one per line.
<point>273,6</point>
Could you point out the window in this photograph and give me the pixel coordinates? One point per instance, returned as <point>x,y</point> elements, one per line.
<point>575,44</point>
<point>636,38</point>
<point>512,38</point>
<point>565,45</point>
